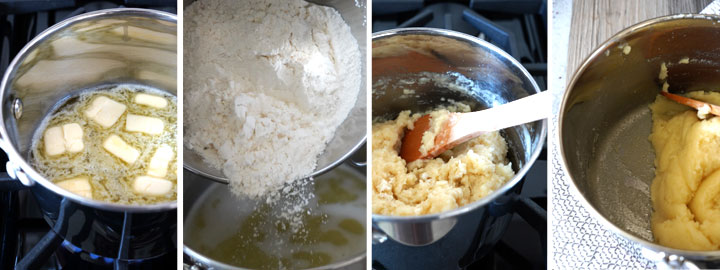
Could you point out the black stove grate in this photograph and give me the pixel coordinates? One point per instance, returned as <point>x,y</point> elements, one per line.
<point>517,27</point>
<point>8,232</point>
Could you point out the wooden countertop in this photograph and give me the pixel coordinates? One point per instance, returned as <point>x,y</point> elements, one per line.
<point>594,21</point>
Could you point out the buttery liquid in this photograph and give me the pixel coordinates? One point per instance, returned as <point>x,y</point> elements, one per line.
<point>110,178</point>
<point>254,237</point>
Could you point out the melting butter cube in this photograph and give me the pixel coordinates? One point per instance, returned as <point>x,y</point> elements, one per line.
<point>151,186</point>
<point>79,185</point>
<point>73,134</point>
<point>151,100</point>
<point>116,146</point>
<point>160,160</point>
<point>54,141</point>
<point>65,138</point>
<point>105,111</point>
<point>144,124</point>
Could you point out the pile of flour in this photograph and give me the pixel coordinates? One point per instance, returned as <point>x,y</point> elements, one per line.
<point>266,83</point>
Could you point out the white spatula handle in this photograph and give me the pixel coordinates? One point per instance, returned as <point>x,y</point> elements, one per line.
<point>518,112</point>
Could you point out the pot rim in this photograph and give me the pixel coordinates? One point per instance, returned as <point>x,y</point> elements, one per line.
<point>205,261</point>
<point>13,155</point>
<point>518,175</point>
<point>600,50</point>
<point>224,180</point>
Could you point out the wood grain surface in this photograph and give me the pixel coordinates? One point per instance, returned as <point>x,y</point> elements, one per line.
<point>594,21</point>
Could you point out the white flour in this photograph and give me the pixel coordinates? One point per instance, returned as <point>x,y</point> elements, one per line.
<point>267,82</point>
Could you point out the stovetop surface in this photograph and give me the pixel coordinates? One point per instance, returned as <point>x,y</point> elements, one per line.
<point>22,225</point>
<point>519,28</point>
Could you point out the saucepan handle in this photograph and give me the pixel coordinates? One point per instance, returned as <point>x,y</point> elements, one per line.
<point>665,261</point>
<point>190,264</point>
<point>192,267</point>
<point>8,181</point>
<point>13,170</point>
<point>358,159</point>
<point>359,164</point>
<point>421,233</point>
<point>378,236</point>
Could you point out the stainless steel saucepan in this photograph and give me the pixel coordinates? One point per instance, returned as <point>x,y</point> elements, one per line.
<point>605,122</point>
<point>199,193</point>
<point>95,49</point>
<point>484,76</point>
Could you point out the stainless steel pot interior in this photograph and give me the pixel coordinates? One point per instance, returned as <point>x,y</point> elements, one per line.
<point>605,120</point>
<point>350,135</point>
<point>193,189</point>
<point>488,77</point>
<point>98,48</point>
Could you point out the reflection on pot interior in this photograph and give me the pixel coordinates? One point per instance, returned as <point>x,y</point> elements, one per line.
<point>686,189</point>
<point>113,143</point>
<point>456,177</point>
<point>259,235</point>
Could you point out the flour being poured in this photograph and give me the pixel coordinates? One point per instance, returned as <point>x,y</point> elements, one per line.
<point>267,82</point>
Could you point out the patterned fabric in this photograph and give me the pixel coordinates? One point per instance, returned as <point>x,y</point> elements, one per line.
<point>580,241</point>
<point>712,8</point>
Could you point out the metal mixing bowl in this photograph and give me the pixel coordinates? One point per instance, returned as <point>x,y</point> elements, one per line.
<point>605,121</point>
<point>349,136</point>
<point>491,77</point>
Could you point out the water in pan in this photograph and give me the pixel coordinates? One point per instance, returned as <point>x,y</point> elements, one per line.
<point>254,234</point>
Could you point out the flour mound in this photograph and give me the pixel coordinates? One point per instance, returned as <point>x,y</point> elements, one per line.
<point>267,82</point>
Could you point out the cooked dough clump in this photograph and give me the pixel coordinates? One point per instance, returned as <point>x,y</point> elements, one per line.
<point>686,189</point>
<point>459,176</point>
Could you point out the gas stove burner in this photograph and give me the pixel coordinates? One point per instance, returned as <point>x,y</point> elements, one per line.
<point>70,256</point>
<point>68,248</point>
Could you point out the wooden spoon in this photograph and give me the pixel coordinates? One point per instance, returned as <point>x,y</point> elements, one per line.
<point>714,109</point>
<point>461,127</point>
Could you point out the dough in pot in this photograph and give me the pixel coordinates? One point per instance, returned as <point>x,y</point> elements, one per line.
<point>459,176</point>
<point>686,189</point>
